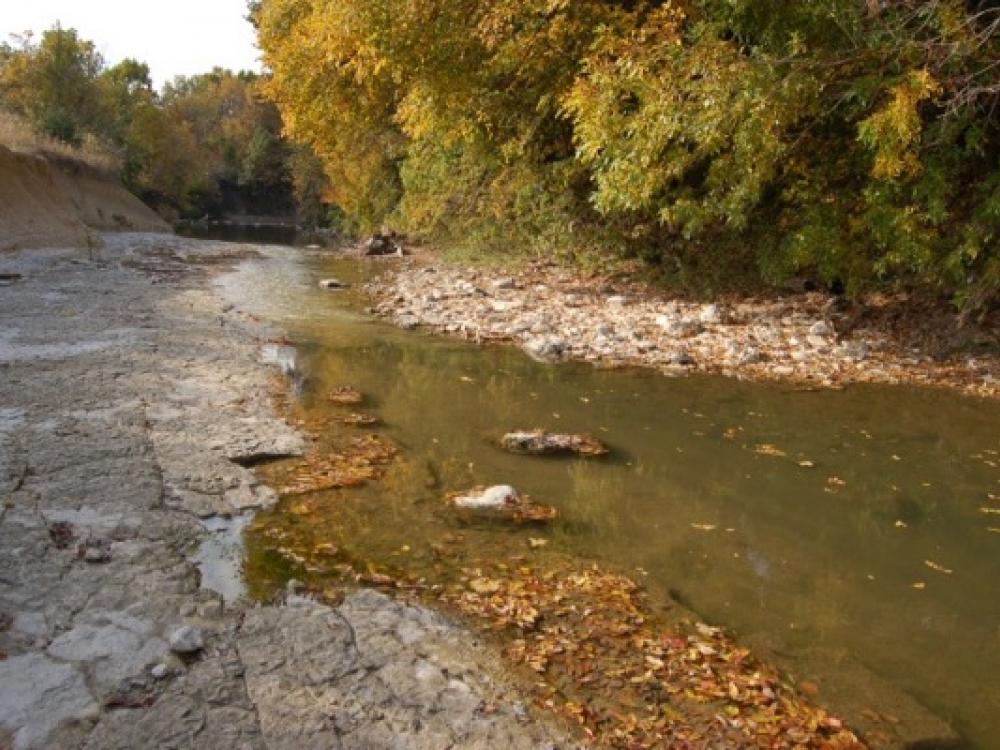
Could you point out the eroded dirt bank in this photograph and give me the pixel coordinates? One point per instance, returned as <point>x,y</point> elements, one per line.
<point>56,202</point>
<point>130,397</point>
<point>810,339</point>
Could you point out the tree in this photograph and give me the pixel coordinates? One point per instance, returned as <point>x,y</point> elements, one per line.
<point>54,83</point>
<point>851,141</point>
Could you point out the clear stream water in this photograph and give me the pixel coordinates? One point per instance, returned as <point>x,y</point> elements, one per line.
<point>814,567</point>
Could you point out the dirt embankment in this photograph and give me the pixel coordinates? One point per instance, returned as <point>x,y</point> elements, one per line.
<point>53,202</point>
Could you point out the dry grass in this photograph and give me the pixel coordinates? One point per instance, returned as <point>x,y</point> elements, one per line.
<point>17,135</point>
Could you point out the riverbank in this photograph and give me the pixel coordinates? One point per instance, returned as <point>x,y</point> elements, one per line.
<point>54,200</point>
<point>133,398</point>
<point>812,340</point>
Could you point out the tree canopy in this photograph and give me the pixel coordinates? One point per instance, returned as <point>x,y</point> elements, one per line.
<point>208,143</point>
<point>848,140</point>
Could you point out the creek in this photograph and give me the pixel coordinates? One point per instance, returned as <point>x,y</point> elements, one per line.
<point>852,537</point>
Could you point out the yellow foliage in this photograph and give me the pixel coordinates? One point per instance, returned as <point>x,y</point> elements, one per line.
<point>893,132</point>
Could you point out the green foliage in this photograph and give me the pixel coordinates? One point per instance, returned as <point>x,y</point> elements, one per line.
<point>210,144</point>
<point>846,140</point>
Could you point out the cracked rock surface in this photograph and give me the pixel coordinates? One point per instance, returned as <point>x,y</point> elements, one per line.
<point>131,400</point>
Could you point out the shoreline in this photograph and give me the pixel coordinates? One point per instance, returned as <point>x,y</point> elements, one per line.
<point>133,397</point>
<point>553,314</point>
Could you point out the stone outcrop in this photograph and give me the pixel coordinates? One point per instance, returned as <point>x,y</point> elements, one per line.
<point>130,398</point>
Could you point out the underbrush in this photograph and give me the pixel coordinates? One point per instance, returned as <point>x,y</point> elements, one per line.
<point>17,135</point>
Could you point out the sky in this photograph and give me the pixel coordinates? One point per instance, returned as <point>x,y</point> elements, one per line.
<point>177,37</point>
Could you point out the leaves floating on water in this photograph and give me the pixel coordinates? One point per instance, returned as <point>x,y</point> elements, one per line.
<point>601,661</point>
<point>939,568</point>
<point>766,449</point>
<point>358,463</point>
<point>704,526</point>
<point>346,396</point>
<point>359,420</point>
<point>920,585</point>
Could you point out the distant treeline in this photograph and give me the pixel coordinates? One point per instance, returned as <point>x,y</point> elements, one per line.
<point>206,145</point>
<point>852,141</point>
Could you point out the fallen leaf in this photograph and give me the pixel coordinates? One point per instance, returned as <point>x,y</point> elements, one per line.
<point>766,449</point>
<point>484,585</point>
<point>939,568</point>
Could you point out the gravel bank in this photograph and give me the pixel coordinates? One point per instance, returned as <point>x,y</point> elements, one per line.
<point>554,315</point>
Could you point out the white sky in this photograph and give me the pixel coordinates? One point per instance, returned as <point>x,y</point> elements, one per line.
<point>176,37</point>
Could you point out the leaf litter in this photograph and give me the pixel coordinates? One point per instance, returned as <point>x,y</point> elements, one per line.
<point>590,646</point>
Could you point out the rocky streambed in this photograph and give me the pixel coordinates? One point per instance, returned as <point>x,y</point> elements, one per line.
<point>131,400</point>
<point>554,314</point>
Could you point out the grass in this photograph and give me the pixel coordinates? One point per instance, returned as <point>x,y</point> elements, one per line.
<point>17,135</point>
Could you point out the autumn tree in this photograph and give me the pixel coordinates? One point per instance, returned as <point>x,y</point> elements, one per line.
<point>847,140</point>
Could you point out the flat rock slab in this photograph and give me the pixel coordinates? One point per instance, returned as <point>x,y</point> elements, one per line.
<point>39,694</point>
<point>132,400</point>
<point>373,673</point>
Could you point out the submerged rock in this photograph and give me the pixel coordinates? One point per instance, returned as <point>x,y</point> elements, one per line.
<point>541,443</point>
<point>333,284</point>
<point>503,500</point>
<point>492,498</point>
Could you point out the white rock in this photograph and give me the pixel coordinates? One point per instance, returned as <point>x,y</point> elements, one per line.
<point>821,328</point>
<point>545,349</point>
<point>684,328</point>
<point>818,342</point>
<point>665,321</point>
<point>616,300</point>
<point>750,356</point>
<point>855,350</point>
<point>494,498</point>
<point>710,314</point>
<point>408,322</point>
<point>160,671</point>
<point>186,639</point>
<point>332,284</point>
<point>504,283</point>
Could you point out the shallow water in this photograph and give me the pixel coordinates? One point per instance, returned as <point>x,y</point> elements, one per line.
<point>823,568</point>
